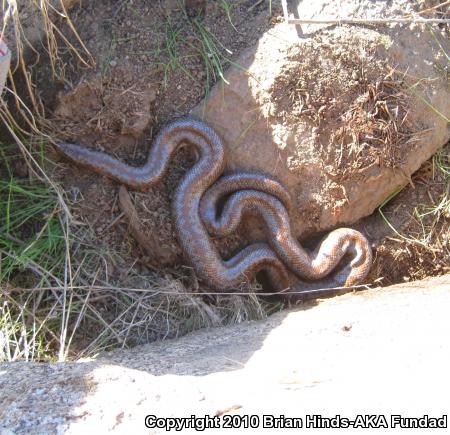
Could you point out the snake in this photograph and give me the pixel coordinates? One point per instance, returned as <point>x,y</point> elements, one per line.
<point>257,194</point>
<point>198,216</point>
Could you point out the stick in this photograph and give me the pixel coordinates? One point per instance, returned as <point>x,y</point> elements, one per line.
<point>434,7</point>
<point>285,10</point>
<point>370,21</point>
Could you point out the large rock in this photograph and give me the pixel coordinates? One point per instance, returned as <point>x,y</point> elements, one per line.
<point>334,358</point>
<point>342,115</point>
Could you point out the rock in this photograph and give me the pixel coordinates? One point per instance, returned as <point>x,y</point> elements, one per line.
<point>294,363</point>
<point>127,112</point>
<point>342,116</point>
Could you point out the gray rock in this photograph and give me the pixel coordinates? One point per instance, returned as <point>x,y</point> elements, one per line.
<point>381,351</point>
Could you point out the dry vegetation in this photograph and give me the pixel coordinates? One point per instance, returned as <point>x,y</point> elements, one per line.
<point>65,293</point>
<point>355,103</point>
<point>419,217</point>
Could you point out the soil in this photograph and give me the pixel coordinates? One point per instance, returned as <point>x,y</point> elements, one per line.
<point>418,244</point>
<point>152,65</point>
<point>150,70</point>
<point>350,100</point>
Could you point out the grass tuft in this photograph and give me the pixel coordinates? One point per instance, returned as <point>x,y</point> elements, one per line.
<point>427,217</point>
<point>175,59</point>
<point>32,252</point>
<point>227,8</point>
<point>29,226</point>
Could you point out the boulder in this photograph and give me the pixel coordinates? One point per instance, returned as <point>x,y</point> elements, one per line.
<point>342,115</point>
<point>330,358</point>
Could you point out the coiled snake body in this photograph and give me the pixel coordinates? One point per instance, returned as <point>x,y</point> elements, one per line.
<point>195,213</point>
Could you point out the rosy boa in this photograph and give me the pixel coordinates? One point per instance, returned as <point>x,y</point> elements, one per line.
<point>196,214</point>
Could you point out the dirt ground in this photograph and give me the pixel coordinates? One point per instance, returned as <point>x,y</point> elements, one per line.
<point>143,79</point>
<point>344,99</point>
<point>153,63</point>
<point>150,69</point>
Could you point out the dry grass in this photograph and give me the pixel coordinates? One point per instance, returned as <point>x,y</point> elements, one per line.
<point>46,16</point>
<point>419,218</point>
<point>65,296</point>
<point>101,316</point>
<point>77,298</point>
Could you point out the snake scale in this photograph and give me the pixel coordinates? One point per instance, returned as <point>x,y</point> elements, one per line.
<point>208,204</point>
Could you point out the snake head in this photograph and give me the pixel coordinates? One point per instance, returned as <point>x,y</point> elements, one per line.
<point>79,154</point>
<point>66,149</point>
